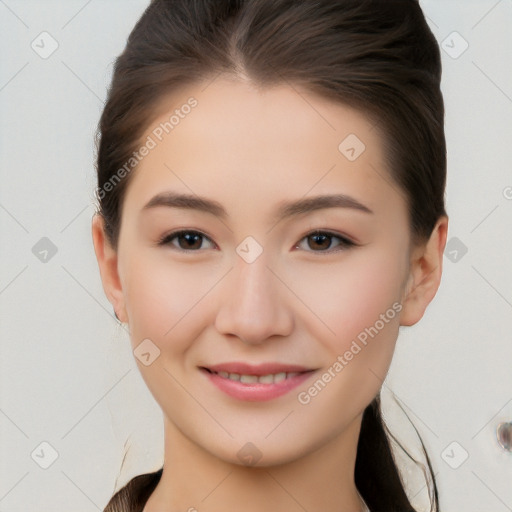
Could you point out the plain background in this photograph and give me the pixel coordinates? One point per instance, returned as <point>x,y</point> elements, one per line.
<point>68,377</point>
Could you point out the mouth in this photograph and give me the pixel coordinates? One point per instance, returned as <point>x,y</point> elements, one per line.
<point>256,383</point>
<point>244,378</point>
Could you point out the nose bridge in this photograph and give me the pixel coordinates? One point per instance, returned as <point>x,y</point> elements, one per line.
<point>253,306</point>
<point>253,283</point>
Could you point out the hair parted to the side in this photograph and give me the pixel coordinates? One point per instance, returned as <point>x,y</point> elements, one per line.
<point>378,56</point>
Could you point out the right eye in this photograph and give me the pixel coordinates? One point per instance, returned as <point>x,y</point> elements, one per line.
<point>187,240</point>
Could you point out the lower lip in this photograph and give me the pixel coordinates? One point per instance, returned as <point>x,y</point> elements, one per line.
<point>256,392</point>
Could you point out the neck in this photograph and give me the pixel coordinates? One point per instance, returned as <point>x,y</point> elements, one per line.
<point>195,480</point>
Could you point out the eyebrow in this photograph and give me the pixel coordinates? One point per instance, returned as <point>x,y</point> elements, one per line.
<point>286,209</point>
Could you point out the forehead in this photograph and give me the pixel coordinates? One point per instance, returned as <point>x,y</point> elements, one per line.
<point>237,114</point>
<point>239,141</point>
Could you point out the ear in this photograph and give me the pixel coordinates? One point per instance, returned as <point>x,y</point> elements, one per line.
<point>107,262</point>
<point>425,271</point>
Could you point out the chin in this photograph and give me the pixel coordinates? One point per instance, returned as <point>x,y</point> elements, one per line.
<point>261,453</point>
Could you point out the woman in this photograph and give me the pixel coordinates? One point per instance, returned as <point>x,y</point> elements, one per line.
<point>271,183</point>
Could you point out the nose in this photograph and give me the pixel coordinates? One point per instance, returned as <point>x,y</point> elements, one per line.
<point>254,304</point>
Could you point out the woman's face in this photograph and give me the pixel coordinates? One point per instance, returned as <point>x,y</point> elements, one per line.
<point>257,293</point>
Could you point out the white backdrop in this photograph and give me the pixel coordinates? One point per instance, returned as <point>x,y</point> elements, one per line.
<point>71,398</point>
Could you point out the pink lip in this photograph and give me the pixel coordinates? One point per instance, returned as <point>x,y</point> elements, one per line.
<point>256,392</point>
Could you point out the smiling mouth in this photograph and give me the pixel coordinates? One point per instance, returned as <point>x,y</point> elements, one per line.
<point>270,378</point>
<point>256,382</point>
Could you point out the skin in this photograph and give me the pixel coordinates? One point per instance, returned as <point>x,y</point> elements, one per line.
<point>250,149</point>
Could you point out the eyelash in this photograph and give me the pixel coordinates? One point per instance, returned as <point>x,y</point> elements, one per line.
<point>345,243</point>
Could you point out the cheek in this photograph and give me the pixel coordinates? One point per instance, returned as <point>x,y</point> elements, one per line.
<point>164,299</point>
<point>350,296</point>
<point>360,303</point>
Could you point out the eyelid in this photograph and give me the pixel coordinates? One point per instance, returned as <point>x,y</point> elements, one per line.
<point>346,242</point>
<point>167,237</point>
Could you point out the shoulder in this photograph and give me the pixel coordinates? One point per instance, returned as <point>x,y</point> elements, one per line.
<point>134,495</point>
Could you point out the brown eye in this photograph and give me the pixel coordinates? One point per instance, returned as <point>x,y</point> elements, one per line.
<point>322,241</point>
<point>186,240</point>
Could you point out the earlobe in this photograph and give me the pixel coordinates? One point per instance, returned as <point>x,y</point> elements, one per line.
<point>425,274</point>
<point>106,256</point>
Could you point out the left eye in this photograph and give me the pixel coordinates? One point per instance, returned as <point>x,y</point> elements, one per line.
<point>320,241</point>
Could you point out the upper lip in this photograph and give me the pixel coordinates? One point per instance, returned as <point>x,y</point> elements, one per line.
<point>259,369</point>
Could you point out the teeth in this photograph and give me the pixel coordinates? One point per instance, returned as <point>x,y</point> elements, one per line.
<point>248,379</point>
<point>266,379</point>
<point>271,378</point>
<point>278,377</point>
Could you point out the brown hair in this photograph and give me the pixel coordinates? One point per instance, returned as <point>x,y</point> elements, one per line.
<point>378,56</point>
